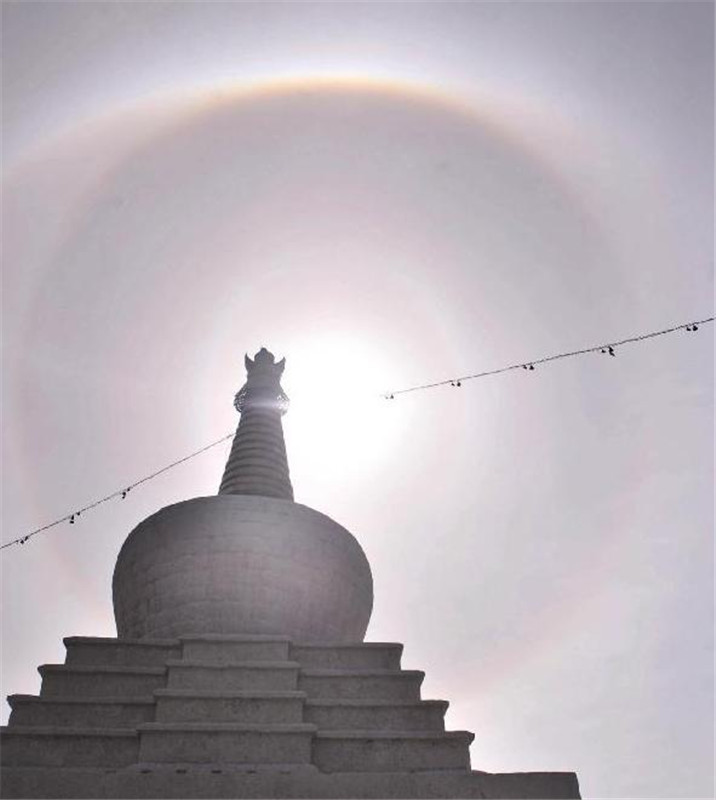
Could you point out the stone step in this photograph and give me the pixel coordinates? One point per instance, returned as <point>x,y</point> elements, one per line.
<point>217,743</point>
<point>77,747</point>
<point>381,751</point>
<point>426,715</point>
<point>95,651</point>
<point>189,705</point>
<point>80,712</point>
<point>361,684</point>
<point>287,781</point>
<point>59,680</point>
<point>267,676</point>
<point>369,655</point>
<point>235,649</point>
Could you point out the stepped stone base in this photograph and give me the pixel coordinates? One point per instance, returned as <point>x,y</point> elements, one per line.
<point>242,716</point>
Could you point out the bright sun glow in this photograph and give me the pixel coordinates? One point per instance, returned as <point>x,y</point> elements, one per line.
<point>338,416</point>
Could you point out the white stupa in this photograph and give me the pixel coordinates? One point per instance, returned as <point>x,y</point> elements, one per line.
<point>239,667</point>
<point>249,560</point>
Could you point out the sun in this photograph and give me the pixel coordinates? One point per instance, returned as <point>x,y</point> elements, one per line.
<point>340,418</point>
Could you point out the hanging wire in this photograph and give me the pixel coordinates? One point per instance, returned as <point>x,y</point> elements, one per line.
<point>121,493</point>
<point>609,349</point>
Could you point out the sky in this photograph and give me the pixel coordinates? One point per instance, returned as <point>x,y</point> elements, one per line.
<point>387,194</point>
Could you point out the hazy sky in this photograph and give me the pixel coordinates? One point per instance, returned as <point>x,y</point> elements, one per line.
<point>386,194</point>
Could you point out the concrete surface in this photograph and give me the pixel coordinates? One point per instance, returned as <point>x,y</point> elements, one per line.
<point>61,680</point>
<point>80,712</point>
<point>391,751</point>
<point>225,743</point>
<point>68,747</point>
<point>366,655</point>
<point>221,649</point>
<point>327,684</point>
<point>91,650</point>
<point>232,564</point>
<point>215,706</point>
<point>190,781</point>
<point>330,715</point>
<point>249,676</point>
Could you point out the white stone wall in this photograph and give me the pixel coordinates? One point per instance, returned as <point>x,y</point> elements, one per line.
<point>234,564</point>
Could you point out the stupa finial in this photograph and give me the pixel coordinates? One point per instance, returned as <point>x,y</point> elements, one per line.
<point>263,386</point>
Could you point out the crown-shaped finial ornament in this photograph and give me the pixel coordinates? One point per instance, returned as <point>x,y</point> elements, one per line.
<point>264,361</point>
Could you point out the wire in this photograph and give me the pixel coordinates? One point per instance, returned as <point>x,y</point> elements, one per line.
<point>530,365</point>
<point>121,493</point>
<point>527,365</point>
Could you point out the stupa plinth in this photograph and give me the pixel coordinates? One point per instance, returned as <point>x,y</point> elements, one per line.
<point>239,669</point>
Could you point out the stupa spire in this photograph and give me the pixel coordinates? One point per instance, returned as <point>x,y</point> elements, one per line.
<point>257,464</point>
